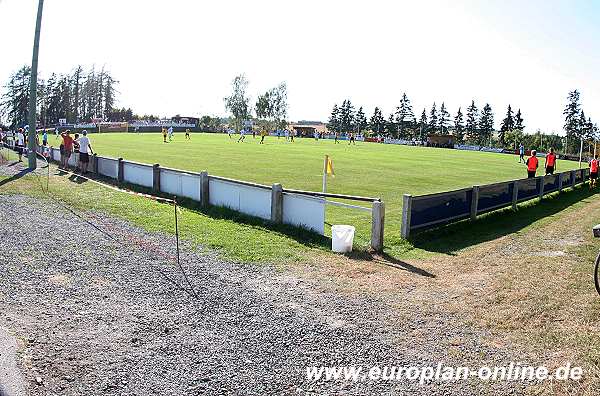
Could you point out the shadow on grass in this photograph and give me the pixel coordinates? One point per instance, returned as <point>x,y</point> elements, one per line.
<point>304,237</point>
<point>14,177</point>
<point>454,237</point>
<point>387,260</point>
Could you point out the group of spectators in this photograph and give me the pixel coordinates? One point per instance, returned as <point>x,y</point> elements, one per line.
<point>70,144</point>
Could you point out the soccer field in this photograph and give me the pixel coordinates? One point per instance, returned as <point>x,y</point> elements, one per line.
<point>369,169</point>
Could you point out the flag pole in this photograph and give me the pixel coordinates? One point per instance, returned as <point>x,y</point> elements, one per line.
<point>325,173</point>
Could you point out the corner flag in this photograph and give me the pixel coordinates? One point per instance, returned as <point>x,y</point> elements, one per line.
<point>329,167</point>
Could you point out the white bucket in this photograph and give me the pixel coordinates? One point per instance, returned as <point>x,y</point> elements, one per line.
<point>342,237</point>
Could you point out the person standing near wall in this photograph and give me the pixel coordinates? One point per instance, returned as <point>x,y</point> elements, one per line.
<point>67,148</point>
<point>594,171</point>
<point>550,162</point>
<point>532,164</point>
<point>85,149</point>
<point>20,143</point>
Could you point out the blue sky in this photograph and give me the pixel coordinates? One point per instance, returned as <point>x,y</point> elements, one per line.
<point>180,56</point>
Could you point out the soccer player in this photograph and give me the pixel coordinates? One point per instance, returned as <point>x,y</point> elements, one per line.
<point>20,143</point>
<point>278,134</point>
<point>242,135</point>
<point>352,140</point>
<point>85,149</point>
<point>170,133</point>
<point>229,132</point>
<point>67,148</point>
<point>164,132</point>
<point>292,134</point>
<point>44,138</point>
<point>187,133</point>
<point>521,153</point>
<point>263,133</point>
<point>337,135</point>
<point>316,135</point>
<point>594,171</point>
<point>550,162</point>
<point>532,164</point>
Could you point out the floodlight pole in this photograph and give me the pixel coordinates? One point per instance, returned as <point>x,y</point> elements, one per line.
<point>32,145</point>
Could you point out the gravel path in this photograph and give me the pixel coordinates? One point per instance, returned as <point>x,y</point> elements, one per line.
<point>96,317</point>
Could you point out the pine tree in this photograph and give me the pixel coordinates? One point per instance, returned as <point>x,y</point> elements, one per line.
<point>346,116</point>
<point>459,128</point>
<point>377,123</point>
<point>360,120</point>
<point>404,116</point>
<point>334,119</point>
<point>391,127</point>
<point>572,120</point>
<point>508,124</point>
<point>14,103</point>
<point>472,123</point>
<point>519,121</point>
<point>423,125</point>
<point>443,118</point>
<point>486,124</point>
<point>433,119</point>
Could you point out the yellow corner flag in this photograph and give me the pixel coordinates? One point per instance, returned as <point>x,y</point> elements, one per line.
<point>329,167</point>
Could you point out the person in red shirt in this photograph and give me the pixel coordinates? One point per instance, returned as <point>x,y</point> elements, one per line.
<point>532,164</point>
<point>550,162</point>
<point>594,171</point>
<point>67,147</point>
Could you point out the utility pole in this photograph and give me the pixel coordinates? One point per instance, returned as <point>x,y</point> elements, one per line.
<point>32,145</point>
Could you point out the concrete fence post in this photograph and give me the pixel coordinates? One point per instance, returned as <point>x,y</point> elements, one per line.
<point>120,170</point>
<point>277,203</point>
<point>515,195</point>
<point>406,212</point>
<point>94,163</point>
<point>377,225</point>
<point>156,177</point>
<point>204,189</point>
<point>572,179</point>
<point>560,182</point>
<point>541,180</point>
<point>474,202</point>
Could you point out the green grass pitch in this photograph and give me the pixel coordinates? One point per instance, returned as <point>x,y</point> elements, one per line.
<point>368,169</point>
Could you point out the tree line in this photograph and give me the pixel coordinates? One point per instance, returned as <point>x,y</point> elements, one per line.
<point>78,96</point>
<point>474,126</point>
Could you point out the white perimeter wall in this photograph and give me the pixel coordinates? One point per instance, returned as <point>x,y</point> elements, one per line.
<point>304,211</point>
<point>254,201</point>
<point>108,167</point>
<point>180,184</point>
<point>138,174</point>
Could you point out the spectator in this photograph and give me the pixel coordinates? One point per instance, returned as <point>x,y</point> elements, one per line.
<point>532,164</point>
<point>85,149</point>
<point>67,148</point>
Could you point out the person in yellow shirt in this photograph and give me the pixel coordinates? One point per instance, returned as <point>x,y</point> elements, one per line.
<point>263,133</point>
<point>164,133</point>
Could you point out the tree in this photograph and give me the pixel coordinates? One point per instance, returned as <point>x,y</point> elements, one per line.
<point>14,104</point>
<point>472,123</point>
<point>486,124</point>
<point>334,119</point>
<point>572,120</point>
<point>391,126</point>
<point>508,124</point>
<point>404,116</point>
<point>443,118</point>
<point>346,116</point>
<point>519,121</point>
<point>422,124</point>
<point>433,119</point>
<point>272,106</point>
<point>360,120</point>
<point>459,128</point>
<point>238,103</point>
<point>377,123</point>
